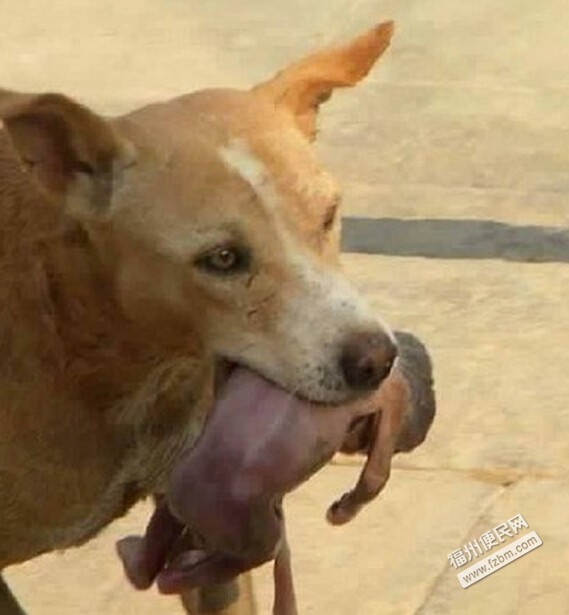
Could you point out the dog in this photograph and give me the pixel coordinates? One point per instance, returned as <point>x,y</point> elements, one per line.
<point>139,257</point>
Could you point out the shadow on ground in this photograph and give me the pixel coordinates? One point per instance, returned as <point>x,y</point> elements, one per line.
<point>455,239</point>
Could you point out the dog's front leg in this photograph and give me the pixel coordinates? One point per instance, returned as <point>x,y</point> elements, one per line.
<point>285,597</point>
<point>233,598</point>
<point>8,604</point>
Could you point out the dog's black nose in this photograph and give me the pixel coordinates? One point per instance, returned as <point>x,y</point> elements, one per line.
<point>366,359</point>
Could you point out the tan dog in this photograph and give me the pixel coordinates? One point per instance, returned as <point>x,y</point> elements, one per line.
<point>138,255</point>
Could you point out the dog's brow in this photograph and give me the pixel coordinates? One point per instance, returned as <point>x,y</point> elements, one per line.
<point>238,158</point>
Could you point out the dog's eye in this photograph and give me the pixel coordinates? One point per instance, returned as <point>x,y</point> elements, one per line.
<point>224,260</point>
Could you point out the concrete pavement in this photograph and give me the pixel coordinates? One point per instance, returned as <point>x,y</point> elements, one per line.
<point>465,121</point>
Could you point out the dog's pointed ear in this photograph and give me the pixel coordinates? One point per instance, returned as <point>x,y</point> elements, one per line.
<point>304,85</point>
<point>71,152</point>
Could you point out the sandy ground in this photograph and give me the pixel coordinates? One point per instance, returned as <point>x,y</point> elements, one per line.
<point>464,128</point>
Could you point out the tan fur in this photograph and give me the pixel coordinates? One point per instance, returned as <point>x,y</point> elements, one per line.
<point>108,329</point>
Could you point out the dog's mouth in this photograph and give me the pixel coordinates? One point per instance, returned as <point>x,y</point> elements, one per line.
<point>223,369</point>
<point>222,512</point>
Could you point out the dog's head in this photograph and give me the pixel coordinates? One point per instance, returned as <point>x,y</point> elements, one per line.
<point>212,214</point>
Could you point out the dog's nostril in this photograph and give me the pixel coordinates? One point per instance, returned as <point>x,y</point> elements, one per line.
<point>367,368</point>
<point>367,359</point>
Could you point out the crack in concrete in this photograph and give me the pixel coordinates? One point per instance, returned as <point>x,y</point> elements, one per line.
<point>492,500</point>
<point>498,476</point>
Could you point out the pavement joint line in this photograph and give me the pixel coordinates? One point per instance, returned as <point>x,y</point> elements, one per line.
<point>481,190</point>
<point>467,85</point>
<point>504,477</point>
<point>493,498</point>
<point>499,476</point>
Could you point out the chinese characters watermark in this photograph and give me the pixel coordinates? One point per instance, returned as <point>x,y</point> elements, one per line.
<point>500,558</point>
<point>487,541</point>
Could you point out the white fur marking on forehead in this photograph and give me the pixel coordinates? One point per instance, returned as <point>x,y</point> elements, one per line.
<point>238,158</point>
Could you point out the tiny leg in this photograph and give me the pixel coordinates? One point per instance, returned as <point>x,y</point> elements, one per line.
<point>376,471</point>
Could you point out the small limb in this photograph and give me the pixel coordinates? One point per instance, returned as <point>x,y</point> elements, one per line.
<point>144,557</point>
<point>369,486</point>
<point>285,596</point>
<point>383,433</point>
<point>344,509</point>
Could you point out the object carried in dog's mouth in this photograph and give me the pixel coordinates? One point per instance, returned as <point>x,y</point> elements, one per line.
<point>406,407</point>
<point>259,443</point>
